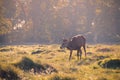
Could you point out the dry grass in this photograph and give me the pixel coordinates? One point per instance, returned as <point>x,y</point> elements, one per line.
<point>48,62</point>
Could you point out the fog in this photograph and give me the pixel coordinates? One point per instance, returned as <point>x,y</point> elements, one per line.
<point>48,21</point>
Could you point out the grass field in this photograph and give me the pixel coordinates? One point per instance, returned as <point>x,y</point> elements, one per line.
<point>48,62</point>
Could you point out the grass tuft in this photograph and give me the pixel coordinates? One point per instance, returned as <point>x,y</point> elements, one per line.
<point>58,77</point>
<point>104,50</point>
<point>8,73</point>
<point>110,63</point>
<point>28,65</point>
<point>6,49</point>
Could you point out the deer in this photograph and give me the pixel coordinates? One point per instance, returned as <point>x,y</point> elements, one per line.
<point>75,43</point>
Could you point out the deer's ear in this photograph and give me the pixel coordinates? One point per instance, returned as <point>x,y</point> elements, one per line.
<point>63,38</point>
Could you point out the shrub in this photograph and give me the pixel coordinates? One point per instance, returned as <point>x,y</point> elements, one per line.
<point>111,63</point>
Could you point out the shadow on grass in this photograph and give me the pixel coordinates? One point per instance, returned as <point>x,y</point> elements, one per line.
<point>86,61</point>
<point>27,65</point>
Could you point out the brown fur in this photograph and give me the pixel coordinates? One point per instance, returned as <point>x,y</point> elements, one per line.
<point>75,43</point>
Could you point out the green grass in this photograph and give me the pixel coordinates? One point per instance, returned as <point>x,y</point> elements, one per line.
<point>51,63</point>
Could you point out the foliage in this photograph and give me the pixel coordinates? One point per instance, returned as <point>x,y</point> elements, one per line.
<point>49,20</point>
<point>7,12</point>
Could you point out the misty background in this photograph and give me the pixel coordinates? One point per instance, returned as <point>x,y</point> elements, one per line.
<point>48,21</point>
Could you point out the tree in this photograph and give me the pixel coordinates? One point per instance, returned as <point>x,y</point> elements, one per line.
<point>6,14</point>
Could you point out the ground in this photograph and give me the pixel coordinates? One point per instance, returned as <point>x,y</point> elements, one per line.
<point>49,62</point>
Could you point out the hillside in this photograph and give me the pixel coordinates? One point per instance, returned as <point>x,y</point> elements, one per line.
<point>48,62</point>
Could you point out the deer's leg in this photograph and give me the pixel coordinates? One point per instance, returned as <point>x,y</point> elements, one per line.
<point>78,51</point>
<point>84,50</point>
<point>70,55</point>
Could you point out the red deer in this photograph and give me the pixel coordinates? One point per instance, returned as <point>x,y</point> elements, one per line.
<point>75,43</point>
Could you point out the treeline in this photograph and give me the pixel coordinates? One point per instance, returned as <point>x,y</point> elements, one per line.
<point>48,21</point>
